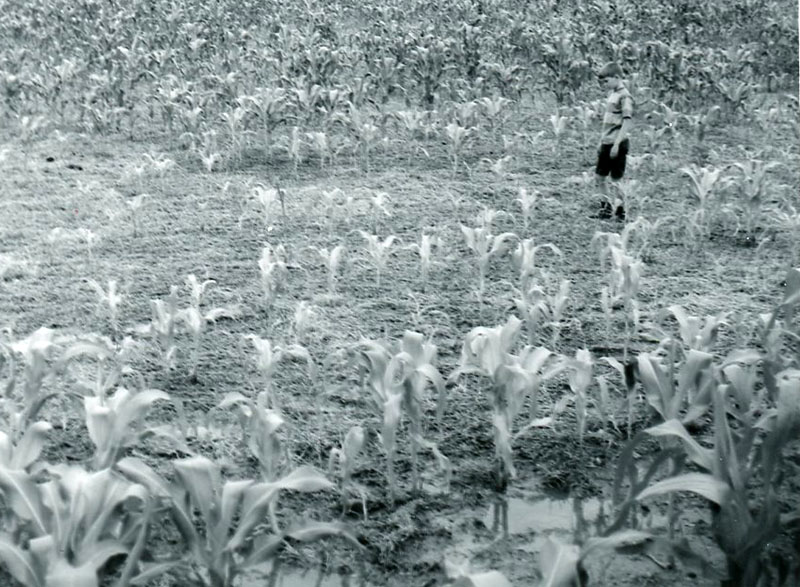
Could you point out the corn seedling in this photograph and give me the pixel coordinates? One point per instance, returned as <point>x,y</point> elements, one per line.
<point>527,203</point>
<point>487,352</point>
<point>112,363</point>
<point>579,373</point>
<point>114,422</point>
<point>378,203</point>
<point>268,357</point>
<point>135,204</point>
<point>270,105</point>
<point>261,428</point>
<point>163,326</point>
<point>397,383</point>
<point>332,259</point>
<point>35,350</point>
<point>234,123</point>
<point>559,126</point>
<point>196,322</point>
<point>304,316</point>
<point>272,266</point>
<point>267,199</point>
<point>221,522</point>
<point>110,300</point>
<point>695,333</point>
<point>413,122</point>
<point>344,461</point>
<point>701,122</point>
<point>494,109</point>
<point>703,179</point>
<point>458,135</point>
<point>752,184</point>
<point>524,260</point>
<point>321,145</point>
<point>425,251</point>
<point>485,246</point>
<point>624,280</point>
<point>379,251</point>
<point>295,148</point>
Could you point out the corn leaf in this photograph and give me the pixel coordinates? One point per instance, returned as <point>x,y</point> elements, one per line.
<point>18,562</point>
<point>30,446</point>
<point>702,484</point>
<point>487,579</point>
<point>559,563</point>
<point>22,496</point>
<point>202,480</point>
<point>699,455</point>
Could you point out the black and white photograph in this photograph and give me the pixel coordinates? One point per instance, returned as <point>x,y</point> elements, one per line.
<point>396,293</point>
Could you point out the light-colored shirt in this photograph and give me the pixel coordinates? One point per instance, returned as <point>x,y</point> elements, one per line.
<point>619,106</point>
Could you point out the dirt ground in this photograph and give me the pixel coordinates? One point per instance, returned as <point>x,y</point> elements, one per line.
<point>198,222</point>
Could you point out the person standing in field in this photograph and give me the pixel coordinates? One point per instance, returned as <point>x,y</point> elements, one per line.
<point>614,144</point>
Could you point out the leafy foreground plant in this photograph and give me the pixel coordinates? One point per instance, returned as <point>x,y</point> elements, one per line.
<point>487,352</point>
<point>64,531</point>
<point>397,384</point>
<point>741,474</point>
<point>220,522</point>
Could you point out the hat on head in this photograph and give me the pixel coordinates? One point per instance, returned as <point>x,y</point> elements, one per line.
<point>610,69</point>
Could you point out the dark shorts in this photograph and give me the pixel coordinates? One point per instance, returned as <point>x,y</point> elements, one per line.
<point>616,166</point>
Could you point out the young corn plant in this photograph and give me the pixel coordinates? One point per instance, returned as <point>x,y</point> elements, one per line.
<point>752,183</point>
<point>268,198</point>
<point>379,251</point>
<point>221,523</point>
<point>115,424</point>
<point>343,460</point>
<point>135,204</point>
<point>425,251</point>
<point>495,112</point>
<point>164,325</point>
<point>397,384</point>
<point>485,246</point>
<point>73,524</point>
<point>261,429</point>
<point>524,260</point>
<point>110,300</point>
<point>268,356</point>
<point>320,142</point>
<point>487,352</point>
<point>332,259</point>
<point>378,203</point>
<point>580,378</point>
<point>36,352</point>
<point>747,440</point>
<point>559,124</point>
<point>195,321</point>
<point>304,315</point>
<point>703,182</point>
<point>624,280</point>
<point>527,203</point>
<point>695,332</point>
<point>274,272</point>
<point>458,136</point>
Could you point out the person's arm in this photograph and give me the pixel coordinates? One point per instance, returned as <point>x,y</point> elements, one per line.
<point>624,131</point>
<point>621,136</point>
